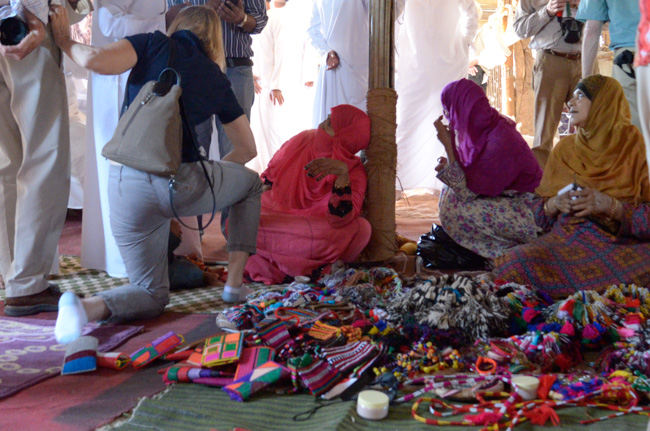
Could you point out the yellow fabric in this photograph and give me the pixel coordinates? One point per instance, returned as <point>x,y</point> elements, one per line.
<point>607,155</point>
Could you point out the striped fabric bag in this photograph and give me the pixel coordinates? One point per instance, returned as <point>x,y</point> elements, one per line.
<point>348,357</point>
<point>315,375</point>
<point>273,332</point>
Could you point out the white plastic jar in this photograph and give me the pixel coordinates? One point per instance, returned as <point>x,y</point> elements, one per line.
<point>372,405</point>
<point>526,386</point>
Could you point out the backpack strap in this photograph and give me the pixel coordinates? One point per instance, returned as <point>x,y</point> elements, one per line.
<point>170,62</point>
<point>202,160</point>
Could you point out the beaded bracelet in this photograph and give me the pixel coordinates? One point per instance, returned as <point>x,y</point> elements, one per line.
<point>546,209</point>
<point>503,348</point>
<point>485,366</point>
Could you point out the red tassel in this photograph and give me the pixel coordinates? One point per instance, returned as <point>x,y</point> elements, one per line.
<point>633,319</point>
<point>566,309</point>
<point>568,329</point>
<point>542,414</point>
<point>590,332</point>
<point>484,418</point>
<point>563,362</point>
<point>545,383</point>
<point>530,314</point>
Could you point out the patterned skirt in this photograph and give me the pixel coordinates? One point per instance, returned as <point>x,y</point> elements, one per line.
<point>489,226</point>
<point>576,256</point>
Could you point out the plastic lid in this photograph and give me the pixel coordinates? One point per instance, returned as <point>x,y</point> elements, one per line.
<point>526,383</point>
<point>373,400</point>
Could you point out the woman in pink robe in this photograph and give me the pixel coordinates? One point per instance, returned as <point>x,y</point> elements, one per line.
<point>311,213</point>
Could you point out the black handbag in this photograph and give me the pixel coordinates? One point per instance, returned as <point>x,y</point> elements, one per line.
<point>439,251</point>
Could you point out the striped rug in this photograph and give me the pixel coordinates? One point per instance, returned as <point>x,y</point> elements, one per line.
<point>74,278</point>
<point>187,407</point>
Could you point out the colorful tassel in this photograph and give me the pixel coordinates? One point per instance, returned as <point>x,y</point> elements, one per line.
<point>542,414</point>
<point>568,329</point>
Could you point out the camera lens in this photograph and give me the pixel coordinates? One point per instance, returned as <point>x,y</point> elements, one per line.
<point>12,31</point>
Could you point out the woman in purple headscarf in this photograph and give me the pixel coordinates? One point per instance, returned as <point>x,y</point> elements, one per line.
<point>490,174</point>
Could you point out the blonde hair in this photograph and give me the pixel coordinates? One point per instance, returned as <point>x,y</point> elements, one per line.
<point>204,22</point>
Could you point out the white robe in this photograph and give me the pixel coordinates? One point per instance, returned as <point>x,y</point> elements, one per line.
<point>76,80</point>
<point>433,42</point>
<point>282,61</point>
<point>113,20</point>
<point>341,26</point>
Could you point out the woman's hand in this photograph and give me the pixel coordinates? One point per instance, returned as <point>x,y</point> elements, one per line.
<point>442,164</point>
<point>320,168</point>
<point>60,25</point>
<point>590,202</point>
<point>558,204</point>
<point>444,135</point>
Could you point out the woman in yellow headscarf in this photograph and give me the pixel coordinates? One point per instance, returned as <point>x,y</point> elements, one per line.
<point>594,202</point>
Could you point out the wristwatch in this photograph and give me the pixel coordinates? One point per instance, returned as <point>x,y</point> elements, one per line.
<point>243,22</point>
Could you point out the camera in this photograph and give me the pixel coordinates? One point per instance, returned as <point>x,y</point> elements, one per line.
<point>570,188</point>
<point>12,30</point>
<point>571,29</point>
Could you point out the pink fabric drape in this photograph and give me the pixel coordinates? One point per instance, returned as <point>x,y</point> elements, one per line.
<point>293,191</point>
<point>297,232</point>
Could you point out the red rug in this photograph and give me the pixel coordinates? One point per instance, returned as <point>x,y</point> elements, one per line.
<point>87,401</point>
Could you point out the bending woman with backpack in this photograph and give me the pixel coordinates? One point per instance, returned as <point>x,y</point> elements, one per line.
<point>140,202</point>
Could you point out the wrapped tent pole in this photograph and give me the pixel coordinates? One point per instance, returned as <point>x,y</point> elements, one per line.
<point>382,151</point>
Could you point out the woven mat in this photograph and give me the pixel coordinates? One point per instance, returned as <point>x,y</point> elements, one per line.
<point>196,407</point>
<point>88,282</point>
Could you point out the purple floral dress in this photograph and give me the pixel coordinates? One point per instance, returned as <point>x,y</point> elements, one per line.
<point>489,226</point>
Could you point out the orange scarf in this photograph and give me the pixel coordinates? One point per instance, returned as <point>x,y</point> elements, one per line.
<point>607,155</point>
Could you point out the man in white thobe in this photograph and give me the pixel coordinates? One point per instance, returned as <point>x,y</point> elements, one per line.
<point>433,43</point>
<point>339,32</point>
<point>113,20</point>
<point>283,71</point>
<point>34,157</point>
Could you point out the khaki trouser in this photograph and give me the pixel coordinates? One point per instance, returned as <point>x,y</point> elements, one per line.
<point>554,80</point>
<point>629,87</point>
<point>643,97</point>
<point>141,211</point>
<point>34,166</point>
